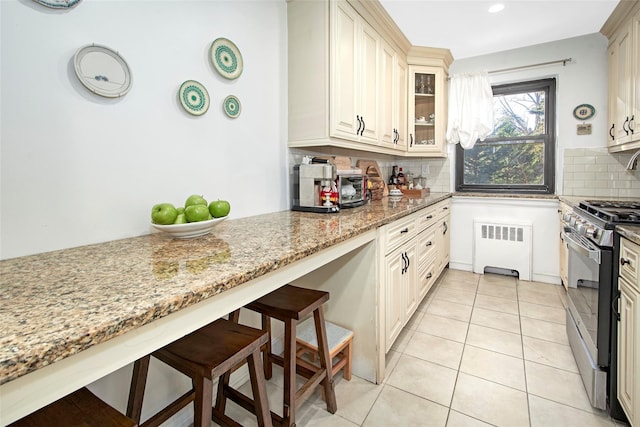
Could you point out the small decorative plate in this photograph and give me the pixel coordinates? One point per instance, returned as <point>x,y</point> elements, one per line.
<point>58,4</point>
<point>194,97</point>
<point>584,112</point>
<point>102,70</point>
<point>226,58</point>
<point>231,106</point>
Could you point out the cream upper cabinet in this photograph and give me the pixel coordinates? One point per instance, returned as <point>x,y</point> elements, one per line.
<point>393,98</point>
<point>623,31</point>
<point>628,327</point>
<point>355,75</point>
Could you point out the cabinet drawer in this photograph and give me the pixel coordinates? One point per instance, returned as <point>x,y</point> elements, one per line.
<point>426,246</point>
<point>629,257</point>
<point>430,215</point>
<point>426,276</point>
<point>398,232</point>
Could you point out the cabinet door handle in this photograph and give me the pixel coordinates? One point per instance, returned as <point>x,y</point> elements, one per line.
<point>404,230</point>
<point>405,267</point>
<point>611,132</point>
<point>446,227</point>
<point>624,128</point>
<point>411,140</point>
<point>408,261</point>
<point>624,261</point>
<point>614,306</point>
<point>363,125</point>
<point>359,125</point>
<point>632,121</point>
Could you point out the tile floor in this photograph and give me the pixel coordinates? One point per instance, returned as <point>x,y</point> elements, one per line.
<point>481,350</point>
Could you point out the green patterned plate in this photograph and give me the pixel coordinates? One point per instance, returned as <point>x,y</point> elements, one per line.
<point>194,97</point>
<point>231,106</point>
<point>226,58</point>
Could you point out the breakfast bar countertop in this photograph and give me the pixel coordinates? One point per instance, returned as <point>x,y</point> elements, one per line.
<point>57,304</point>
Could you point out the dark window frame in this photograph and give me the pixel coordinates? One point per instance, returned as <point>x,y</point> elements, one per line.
<point>549,137</point>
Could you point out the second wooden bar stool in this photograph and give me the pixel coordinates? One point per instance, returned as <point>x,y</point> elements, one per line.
<point>291,304</point>
<point>210,352</point>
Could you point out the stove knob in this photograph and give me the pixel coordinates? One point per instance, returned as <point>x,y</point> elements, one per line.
<point>591,232</point>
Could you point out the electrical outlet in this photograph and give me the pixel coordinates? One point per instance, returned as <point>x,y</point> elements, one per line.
<point>425,170</point>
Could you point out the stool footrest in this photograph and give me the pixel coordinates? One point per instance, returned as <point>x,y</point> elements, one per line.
<point>170,410</point>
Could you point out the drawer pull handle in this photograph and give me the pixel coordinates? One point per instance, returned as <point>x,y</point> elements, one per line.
<point>404,230</point>
<point>429,243</point>
<point>429,216</point>
<point>624,261</point>
<point>429,275</point>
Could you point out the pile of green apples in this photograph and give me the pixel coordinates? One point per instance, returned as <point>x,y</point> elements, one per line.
<point>195,209</point>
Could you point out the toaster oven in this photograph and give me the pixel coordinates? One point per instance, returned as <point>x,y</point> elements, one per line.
<point>352,190</point>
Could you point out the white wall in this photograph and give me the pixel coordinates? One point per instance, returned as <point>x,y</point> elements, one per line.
<point>77,168</point>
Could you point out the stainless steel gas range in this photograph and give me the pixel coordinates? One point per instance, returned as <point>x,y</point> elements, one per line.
<point>589,233</point>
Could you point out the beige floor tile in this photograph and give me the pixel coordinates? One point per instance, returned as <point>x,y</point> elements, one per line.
<point>398,408</point>
<point>443,327</point>
<point>403,339</point>
<point>557,385</point>
<point>435,349</point>
<point>490,402</point>
<point>391,360</point>
<point>536,296</point>
<point>355,398</point>
<point>492,366</point>
<point>319,417</point>
<point>456,419</point>
<point>456,296</point>
<point>549,353</point>
<point>497,304</point>
<point>544,330</point>
<point>424,379</point>
<point>498,279</point>
<point>545,413</point>
<point>462,275</point>
<point>415,320</point>
<point>543,312</point>
<point>495,340</point>
<point>495,319</point>
<point>538,286</point>
<point>460,285</point>
<point>450,309</point>
<point>498,290</point>
<point>426,301</point>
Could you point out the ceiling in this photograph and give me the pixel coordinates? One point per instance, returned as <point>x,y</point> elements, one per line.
<point>467,29</point>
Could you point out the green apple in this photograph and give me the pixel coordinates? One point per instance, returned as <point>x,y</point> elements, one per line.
<point>180,210</point>
<point>196,213</point>
<point>163,214</point>
<point>181,219</point>
<point>219,208</point>
<point>195,199</point>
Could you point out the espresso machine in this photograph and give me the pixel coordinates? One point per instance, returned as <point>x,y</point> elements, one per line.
<point>313,186</point>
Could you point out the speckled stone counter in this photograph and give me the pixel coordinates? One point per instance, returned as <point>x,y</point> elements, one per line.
<point>631,232</point>
<point>56,304</point>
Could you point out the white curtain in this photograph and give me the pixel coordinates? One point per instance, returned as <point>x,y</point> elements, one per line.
<point>470,109</point>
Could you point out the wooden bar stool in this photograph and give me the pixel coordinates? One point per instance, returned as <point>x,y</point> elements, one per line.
<point>339,340</point>
<point>290,304</point>
<point>212,351</point>
<point>78,409</point>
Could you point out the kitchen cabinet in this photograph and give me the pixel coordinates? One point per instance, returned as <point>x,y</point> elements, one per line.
<point>563,247</point>
<point>426,111</point>
<point>393,99</point>
<point>623,86</point>
<point>413,252</point>
<point>628,328</point>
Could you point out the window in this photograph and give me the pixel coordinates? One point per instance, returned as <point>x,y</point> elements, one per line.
<point>518,156</point>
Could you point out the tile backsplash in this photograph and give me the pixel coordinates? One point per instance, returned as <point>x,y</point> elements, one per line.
<point>594,172</point>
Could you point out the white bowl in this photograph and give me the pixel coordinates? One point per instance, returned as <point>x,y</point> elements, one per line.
<point>190,229</point>
<point>395,192</point>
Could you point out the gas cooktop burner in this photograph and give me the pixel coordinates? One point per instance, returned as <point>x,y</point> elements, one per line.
<point>613,211</point>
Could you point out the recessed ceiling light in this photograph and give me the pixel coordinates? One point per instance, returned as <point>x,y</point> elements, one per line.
<point>496,8</point>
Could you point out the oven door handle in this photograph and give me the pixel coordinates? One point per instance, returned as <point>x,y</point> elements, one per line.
<point>615,306</point>
<point>579,247</point>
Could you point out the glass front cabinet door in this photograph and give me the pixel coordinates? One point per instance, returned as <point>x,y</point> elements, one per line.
<point>426,112</point>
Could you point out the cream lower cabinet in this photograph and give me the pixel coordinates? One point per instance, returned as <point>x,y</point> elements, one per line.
<point>629,331</point>
<point>413,252</point>
<point>563,247</point>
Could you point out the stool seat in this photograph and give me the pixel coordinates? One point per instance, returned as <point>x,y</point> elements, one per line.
<point>78,409</point>
<point>210,352</point>
<point>339,342</point>
<point>290,304</point>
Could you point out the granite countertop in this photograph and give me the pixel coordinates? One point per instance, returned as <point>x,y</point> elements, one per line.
<point>56,304</point>
<point>631,232</point>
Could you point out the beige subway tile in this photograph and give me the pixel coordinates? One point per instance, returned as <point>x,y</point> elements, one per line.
<point>585,160</point>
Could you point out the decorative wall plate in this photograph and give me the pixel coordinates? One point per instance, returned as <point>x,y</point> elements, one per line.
<point>584,112</point>
<point>58,4</point>
<point>226,58</point>
<point>102,70</point>
<point>194,97</point>
<point>231,106</point>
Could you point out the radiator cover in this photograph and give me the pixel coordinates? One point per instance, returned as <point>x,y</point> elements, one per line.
<point>502,244</point>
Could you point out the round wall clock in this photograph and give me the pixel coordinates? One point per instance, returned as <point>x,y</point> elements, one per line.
<point>194,97</point>
<point>584,112</point>
<point>226,58</point>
